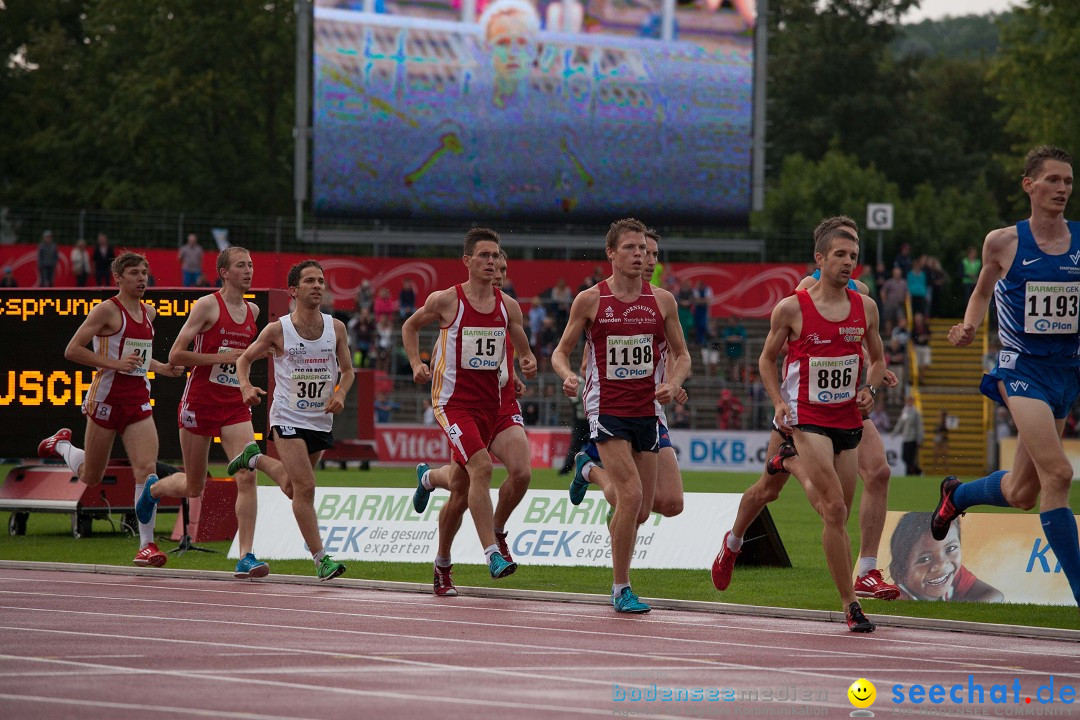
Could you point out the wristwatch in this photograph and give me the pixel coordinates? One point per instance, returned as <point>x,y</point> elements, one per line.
<point>873,391</point>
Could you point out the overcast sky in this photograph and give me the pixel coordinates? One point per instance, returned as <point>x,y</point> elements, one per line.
<point>935,9</point>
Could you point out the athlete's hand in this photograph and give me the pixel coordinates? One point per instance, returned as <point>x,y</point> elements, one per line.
<point>336,404</point>
<point>864,400</point>
<point>961,334</point>
<point>519,387</point>
<point>252,395</point>
<point>421,374</point>
<point>528,366</point>
<point>170,370</point>
<point>570,386</point>
<point>666,392</point>
<point>230,356</point>
<point>782,417</point>
<point>129,363</point>
<point>890,379</point>
<point>681,396</point>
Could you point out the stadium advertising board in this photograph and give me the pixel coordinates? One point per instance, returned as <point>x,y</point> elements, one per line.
<point>379,524</point>
<point>418,117</point>
<point>746,290</point>
<point>41,391</point>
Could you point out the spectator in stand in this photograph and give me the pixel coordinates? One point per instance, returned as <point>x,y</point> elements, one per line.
<point>703,295</point>
<point>8,280</point>
<point>935,286</point>
<point>970,265</point>
<point>559,305</point>
<point>734,346</point>
<point>909,427</point>
<point>80,263</point>
<point>880,417</point>
<point>760,407</point>
<point>903,259</point>
<point>867,278</point>
<point>362,331</point>
<point>917,286</point>
<point>896,360</point>
<point>201,281</point>
<point>365,296</point>
<point>103,258</point>
<point>710,353</point>
<point>406,299</point>
<point>588,282</point>
<point>328,305</point>
<point>530,406</point>
<point>893,293</point>
<point>579,433</point>
<point>680,417</point>
<point>941,441</point>
<point>920,337</point>
<point>881,275</point>
<point>385,307</point>
<point>385,330</point>
<point>900,332</point>
<point>545,342</point>
<point>429,412</point>
<point>729,411</point>
<point>1003,427</point>
<point>384,408</point>
<point>47,257</point>
<point>685,297</point>
<point>537,313</point>
<point>508,287</point>
<point>191,261</point>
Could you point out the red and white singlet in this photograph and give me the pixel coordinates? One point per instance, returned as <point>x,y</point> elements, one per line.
<point>467,356</point>
<point>113,387</point>
<point>508,403</point>
<point>623,347</point>
<point>218,384</point>
<point>823,366</point>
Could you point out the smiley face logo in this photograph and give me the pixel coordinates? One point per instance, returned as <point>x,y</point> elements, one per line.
<point>862,693</point>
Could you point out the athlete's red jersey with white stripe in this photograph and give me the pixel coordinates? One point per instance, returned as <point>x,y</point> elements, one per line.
<point>218,384</point>
<point>123,388</point>
<point>467,356</point>
<point>508,394</point>
<point>823,366</point>
<point>622,347</point>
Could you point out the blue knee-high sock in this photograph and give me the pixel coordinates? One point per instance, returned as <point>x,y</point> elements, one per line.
<point>1059,526</point>
<point>984,491</point>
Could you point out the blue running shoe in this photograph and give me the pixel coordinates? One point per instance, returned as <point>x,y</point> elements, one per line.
<point>251,567</point>
<point>499,567</point>
<point>421,495</point>
<point>144,507</point>
<point>579,484</point>
<point>628,602</point>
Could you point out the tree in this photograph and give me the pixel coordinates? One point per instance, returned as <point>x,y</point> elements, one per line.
<point>1036,79</point>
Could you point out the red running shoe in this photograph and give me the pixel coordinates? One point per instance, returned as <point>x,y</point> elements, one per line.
<point>444,583</point>
<point>724,565</point>
<point>775,466</point>
<point>47,447</point>
<point>945,512</point>
<point>504,549</point>
<point>150,556</point>
<point>856,621</point>
<point>872,585</point>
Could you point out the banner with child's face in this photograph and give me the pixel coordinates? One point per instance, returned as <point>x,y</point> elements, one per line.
<point>424,118</point>
<point>986,557</point>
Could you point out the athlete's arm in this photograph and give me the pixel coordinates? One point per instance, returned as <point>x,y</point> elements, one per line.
<point>780,329</point>
<point>103,319</point>
<point>999,247</point>
<point>433,310</point>
<point>678,354</point>
<point>875,373</point>
<point>581,311</point>
<point>201,319</point>
<point>271,339</point>
<point>345,371</point>
<point>515,326</point>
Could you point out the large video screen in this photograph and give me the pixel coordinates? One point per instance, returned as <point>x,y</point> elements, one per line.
<point>428,118</point>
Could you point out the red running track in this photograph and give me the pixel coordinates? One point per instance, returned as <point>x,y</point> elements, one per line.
<point>85,645</point>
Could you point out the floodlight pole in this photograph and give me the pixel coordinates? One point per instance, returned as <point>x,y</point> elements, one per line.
<point>761,61</point>
<point>301,130</point>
